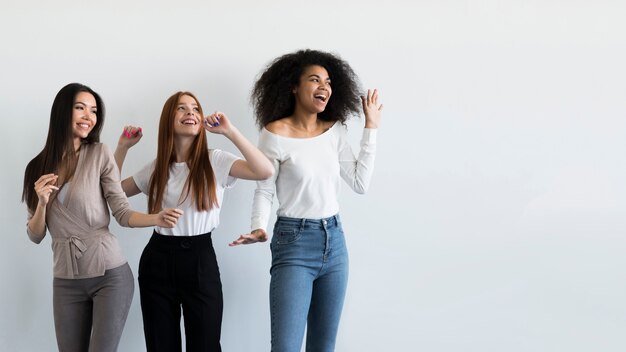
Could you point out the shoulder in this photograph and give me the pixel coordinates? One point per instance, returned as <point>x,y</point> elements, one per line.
<point>333,126</point>
<point>96,151</point>
<point>144,174</point>
<point>337,128</point>
<point>279,127</point>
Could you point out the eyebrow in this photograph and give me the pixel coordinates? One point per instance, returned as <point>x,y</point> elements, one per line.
<point>183,104</point>
<point>85,104</point>
<point>318,76</point>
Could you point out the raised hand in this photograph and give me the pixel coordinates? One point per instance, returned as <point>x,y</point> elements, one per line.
<point>371,108</point>
<point>130,136</point>
<point>258,235</point>
<point>44,187</point>
<point>217,123</point>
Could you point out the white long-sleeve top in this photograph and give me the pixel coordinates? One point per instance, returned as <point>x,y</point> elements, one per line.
<point>308,173</point>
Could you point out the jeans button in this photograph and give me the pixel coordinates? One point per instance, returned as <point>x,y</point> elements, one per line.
<point>325,222</point>
<point>185,244</point>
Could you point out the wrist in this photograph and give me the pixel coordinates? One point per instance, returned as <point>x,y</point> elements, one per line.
<point>231,133</point>
<point>155,218</point>
<point>121,148</point>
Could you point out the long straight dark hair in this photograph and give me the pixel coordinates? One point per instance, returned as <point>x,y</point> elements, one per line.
<point>201,180</point>
<point>58,152</point>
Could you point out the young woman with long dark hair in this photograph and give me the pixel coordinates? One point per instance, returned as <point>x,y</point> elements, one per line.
<point>68,189</point>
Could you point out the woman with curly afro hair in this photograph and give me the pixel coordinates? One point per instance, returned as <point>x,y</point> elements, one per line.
<point>302,101</point>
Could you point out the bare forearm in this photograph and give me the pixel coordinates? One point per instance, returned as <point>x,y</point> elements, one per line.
<point>255,159</point>
<point>120,156</point>
<point>143,220</point>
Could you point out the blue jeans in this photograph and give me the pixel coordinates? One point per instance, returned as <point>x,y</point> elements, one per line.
<point>308,286</point>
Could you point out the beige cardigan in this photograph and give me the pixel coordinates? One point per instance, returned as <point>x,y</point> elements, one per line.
<point>82,245</point>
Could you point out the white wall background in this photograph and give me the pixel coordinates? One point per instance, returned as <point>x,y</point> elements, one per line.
<point>496,216</point>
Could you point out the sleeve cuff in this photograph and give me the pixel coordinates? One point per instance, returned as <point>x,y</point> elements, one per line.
<point>369,135</point>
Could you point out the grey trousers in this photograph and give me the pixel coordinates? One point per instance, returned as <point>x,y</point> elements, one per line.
<point>89,314</point>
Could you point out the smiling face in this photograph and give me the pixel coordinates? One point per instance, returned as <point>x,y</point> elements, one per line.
<point>313,90</point>
<point>187,118</point>
<point>83,116</point>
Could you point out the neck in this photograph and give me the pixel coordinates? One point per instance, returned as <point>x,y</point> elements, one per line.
<point>182,148</point>
<point>304,120</point>
<point>77,143</point>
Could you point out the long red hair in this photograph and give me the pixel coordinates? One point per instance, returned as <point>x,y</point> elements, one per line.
<point>201,181</point>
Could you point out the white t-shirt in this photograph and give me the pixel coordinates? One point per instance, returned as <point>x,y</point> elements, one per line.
<point>308,173</point>
<point>192,222</point>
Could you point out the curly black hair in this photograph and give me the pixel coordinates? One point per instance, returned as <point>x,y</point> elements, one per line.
<point>272,95</point>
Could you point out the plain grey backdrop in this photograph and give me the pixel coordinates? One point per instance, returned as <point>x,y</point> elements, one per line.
<point>495,220</point>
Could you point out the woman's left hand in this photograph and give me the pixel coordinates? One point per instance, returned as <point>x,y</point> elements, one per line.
<point>372,109</point>
<point>167,218</point>
<point>217,123</point>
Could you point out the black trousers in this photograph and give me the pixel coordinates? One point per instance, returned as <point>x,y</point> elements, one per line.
<point>177,272</point>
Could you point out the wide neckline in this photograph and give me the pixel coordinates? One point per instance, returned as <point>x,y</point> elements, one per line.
<point>302,138</point>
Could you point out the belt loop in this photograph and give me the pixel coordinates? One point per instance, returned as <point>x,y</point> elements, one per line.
<point>302,224</point>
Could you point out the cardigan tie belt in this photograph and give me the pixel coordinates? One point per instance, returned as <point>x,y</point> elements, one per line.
<point>76,248</point>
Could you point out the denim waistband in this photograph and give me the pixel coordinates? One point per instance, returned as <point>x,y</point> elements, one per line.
<point>180,242</point>
<point>303,222</point>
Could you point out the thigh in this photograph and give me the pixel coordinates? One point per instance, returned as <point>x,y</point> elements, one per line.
<point>111,302</point>
<point>72,315</point>
<point>297,258</point>
<point>329,291</point>
<point>160,304</point>
<point>290,297</point>
<point>202,303</point>
<point>327,301</point>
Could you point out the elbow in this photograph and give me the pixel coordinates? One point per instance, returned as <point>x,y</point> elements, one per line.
<point>266,173</point>
<point>125,218</point>
<point>35,238</point>
<point>268,169</point>
<point>360,187</point>
<point>361,190</point>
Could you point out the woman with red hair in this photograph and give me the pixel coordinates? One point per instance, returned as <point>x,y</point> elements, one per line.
<point>178,266</point>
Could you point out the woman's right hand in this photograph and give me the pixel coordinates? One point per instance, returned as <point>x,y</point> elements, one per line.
<point>129,137</point>
<point>168,218</point>
<point>44,187</point>
<point>258,235</point>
